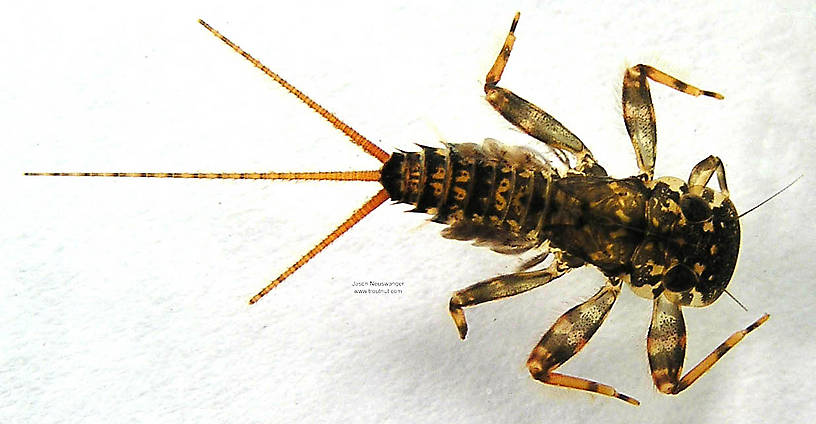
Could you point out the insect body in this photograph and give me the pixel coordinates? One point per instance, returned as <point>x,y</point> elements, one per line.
<point>674,242</point>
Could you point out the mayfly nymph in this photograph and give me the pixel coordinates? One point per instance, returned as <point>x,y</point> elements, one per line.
<point>674,242</point>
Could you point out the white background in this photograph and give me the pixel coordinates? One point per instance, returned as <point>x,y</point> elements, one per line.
<point>125,300</point>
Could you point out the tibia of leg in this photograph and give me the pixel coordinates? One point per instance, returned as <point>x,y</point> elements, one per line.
<point>500,287</point>
<point>670,81</point>
<point>718,353</point>
<point>579,383</point>
<point>495,73</point>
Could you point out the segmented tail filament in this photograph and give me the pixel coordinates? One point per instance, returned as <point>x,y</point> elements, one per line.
<point>353,135</point>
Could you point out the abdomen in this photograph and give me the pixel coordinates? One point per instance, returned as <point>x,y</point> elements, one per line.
<point>494,194</point>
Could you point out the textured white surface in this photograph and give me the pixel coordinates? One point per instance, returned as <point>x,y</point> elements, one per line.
<point>124,300</point>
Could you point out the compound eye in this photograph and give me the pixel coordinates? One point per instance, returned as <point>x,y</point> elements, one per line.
<point>679,278</point>
<point>694,208</point>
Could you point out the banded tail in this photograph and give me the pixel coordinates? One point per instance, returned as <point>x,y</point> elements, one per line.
<point>353,135</point>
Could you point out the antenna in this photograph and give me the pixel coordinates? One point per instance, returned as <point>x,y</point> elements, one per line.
<point>772,196</point>
<point>735,300</point>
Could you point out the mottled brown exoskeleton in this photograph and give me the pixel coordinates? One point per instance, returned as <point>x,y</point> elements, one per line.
<point>674,242</point>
